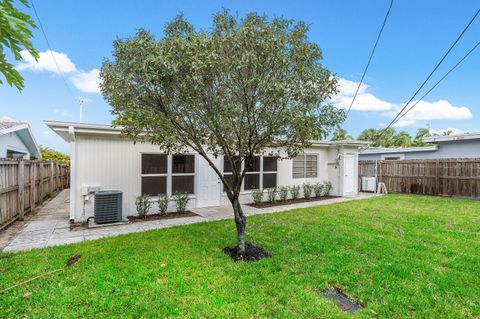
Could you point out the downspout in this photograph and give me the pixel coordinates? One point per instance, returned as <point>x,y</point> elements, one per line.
<point>73,175</point>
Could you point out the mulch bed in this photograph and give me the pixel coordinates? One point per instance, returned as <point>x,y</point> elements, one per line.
<point>136,219</point>
<point>291,201</point>
<point>252,253</point>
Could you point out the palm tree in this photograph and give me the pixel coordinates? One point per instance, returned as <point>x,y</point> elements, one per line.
<point>342,135</point>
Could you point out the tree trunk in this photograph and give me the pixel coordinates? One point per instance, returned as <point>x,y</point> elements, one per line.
<point>241,223</point>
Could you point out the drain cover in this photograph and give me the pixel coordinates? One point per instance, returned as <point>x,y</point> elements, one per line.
<point>342,301</point>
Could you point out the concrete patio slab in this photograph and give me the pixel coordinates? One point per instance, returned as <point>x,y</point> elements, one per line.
<point>51,227</point>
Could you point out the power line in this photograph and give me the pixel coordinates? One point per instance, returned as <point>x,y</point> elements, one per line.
<point>429,76</point>
<point>438,82</point>
<point>50,49</point>
<point>371,56</point>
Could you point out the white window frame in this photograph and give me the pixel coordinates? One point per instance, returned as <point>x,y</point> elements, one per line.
<point>154,175</point>
<point>169,173</point>
<point>304,176</point>
<point>260,172</point>
<point>182,174</point>
<point>267,172</point>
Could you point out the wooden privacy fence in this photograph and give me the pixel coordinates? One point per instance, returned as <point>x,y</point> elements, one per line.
<point>444,177</point>
<point>25,184</point>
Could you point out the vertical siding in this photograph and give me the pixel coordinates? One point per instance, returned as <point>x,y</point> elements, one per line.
<point>114,163</point>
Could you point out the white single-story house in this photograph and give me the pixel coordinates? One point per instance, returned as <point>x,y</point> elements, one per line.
<point>17,140</point>
<point>101,158</point>
<point>451,146</point>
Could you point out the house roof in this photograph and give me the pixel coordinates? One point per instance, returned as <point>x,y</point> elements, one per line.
<point>24,132</point>
<point>66,130</point>
<point>451,138</point>
<point>383,150</point>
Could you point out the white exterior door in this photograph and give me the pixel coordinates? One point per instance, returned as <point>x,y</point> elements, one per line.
<point>208,185</point>
<point>349,174</point>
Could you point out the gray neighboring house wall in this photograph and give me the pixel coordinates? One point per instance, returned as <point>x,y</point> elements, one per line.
<point>452,146</point>
<point>17,140</point>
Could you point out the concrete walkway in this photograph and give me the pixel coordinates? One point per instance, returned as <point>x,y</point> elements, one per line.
<point>50,226</point>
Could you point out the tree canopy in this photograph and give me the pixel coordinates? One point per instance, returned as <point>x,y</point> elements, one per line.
<point>15,35</point>
<point>51,155</point>
<point>242,88</point>
<point>342,134</point>
<point>390,138</point>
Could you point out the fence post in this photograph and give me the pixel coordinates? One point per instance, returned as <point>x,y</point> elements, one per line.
<point>21,189</point>
<point>32,186</point>
<point>437,177</point>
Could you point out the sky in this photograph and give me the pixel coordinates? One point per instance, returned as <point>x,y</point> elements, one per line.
<point>416,36</point>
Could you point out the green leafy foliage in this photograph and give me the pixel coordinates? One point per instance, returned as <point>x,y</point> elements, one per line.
<point>257,195</point>
<point>318,189</point>
<point>272,194</point>
<point>51,155</point>
<point>143,205</point>
<point>15,35</point>
<point>181,201</point>
<point>283,192</point>
<point>295,191</point>
<point>241,87</point>
<point>307,190</point>
<point>342,134</point>
<point>327,188</point>
<point>390,138</point>
<point>162,202</point>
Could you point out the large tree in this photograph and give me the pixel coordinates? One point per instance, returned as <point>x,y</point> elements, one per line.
<point>15,35</point>
<point>242,88</point>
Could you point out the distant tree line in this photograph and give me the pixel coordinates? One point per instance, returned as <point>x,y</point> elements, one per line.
<point>390,138</point>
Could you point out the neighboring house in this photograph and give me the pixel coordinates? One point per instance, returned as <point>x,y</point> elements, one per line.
<point>452,146</point>
<point>17,140</point>
<point>103,158</point>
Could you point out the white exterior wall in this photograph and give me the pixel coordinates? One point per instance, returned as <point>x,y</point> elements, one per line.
<point>285,174</point>
<point>114,163</point>
<point>11,141</point>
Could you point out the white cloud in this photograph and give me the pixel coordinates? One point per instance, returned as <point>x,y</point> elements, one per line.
<point>423,111</point>
<point>87,81</point>
<point>428,111</point>
<point>363,102</point>
<point>47,63</point>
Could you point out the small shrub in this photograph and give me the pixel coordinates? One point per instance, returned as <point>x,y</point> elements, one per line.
<point>295,191</point>
<point>283,193</point>
<point>162,204</point>
<point>143,205</point>
<point>307,190</point>
<point>272,194</point>
<point>257,195</point>
<point>181,201</point>
<point>318,189</point>
<point>327,188</point>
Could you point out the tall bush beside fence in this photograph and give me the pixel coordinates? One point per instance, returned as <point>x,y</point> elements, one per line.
<point>25,184</point>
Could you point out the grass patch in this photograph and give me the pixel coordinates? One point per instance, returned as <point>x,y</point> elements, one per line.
<point>399,255</point>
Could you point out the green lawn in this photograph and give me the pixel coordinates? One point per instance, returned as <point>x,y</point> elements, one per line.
<point>399,255</point>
